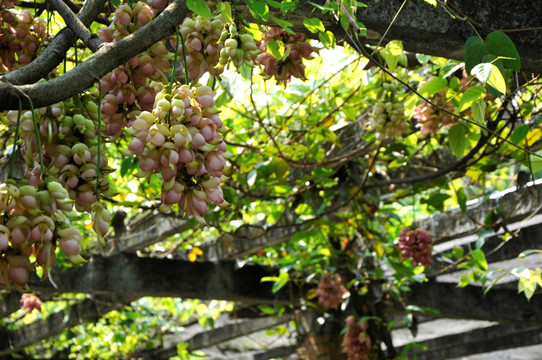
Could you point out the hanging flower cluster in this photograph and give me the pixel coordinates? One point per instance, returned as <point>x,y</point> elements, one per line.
<point>296,48</point>
<point>416,244</point>
<point>330,291</point>
<point>356,342</point>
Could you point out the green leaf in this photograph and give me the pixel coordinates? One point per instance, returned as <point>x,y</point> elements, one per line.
<point>327,39</point>
<point>461,199</point>
<point>281,281</point>
<point>199,7</point>
<point>519,134</point>
<point>324,7</point>
<point>529,252</point>
<point>285,25</point>
<point>266,309</point>
<point>314,25</point>
<point>463,281</point>
<point>433,86</point>
<point>471,95</point>
<point>478,109</point>
<point>222,99</point>
<point>276,48</point>
<point>457,139</point>
<point>436,200</point>
<point>431,2</point>
<point>261,9</point>
<point>457,252</point>
<point>491,75</point>
<point>474,52</point>
<point>499,44</point>
<point>274,4</point>
<point>225,10</point>
<point>127,165</point>
<point>281,169</point>
<point>528,280</point>
<point>479,259</point>
<point>393,53</point>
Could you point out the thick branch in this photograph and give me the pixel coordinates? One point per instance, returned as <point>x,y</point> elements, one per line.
<point>103,61</point>
<point>74,23</point>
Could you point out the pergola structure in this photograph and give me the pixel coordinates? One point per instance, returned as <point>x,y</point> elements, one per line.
<point>504,319</point>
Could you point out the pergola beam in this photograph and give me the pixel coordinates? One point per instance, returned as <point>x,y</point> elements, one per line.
<point>499,304</point>
<point>134,276</point>
<point>479,341</point>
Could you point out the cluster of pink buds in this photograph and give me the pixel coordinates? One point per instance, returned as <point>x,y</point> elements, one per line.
<point>356,342</point>
<point>330,291</point>
<point>30,302</point>
<point>21,37</point>
<point>296,49</point>
<point>180,139</point>
<point>416,244</point>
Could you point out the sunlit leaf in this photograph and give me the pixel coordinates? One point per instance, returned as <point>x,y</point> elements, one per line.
<point>261,9</point>
<point>471,95</point>
<point>491,75</point>
<point>327,39</point>
<point>479,259</point>
<point>478,109</point>
<point>199,7</point>
<point>314,25</point>
<point>433,86</point>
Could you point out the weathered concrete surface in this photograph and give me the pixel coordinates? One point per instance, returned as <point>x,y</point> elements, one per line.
<point>505,207</point>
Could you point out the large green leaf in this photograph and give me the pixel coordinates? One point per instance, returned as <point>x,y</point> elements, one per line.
<point>471,95</point>
<point>457,140</point>
<point>519,134</point>
<point>474,52</point>
<point>433,86</point>
<point>478,109</point>
<point>261,9</point>
<point>499,44</point>
<point>285,25</point>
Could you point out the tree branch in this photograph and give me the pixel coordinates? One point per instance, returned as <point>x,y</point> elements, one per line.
<point>74,23</point>
<point>103,61</point>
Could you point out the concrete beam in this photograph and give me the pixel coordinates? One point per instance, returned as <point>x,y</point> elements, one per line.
<point>499,304</point>
<point>479,341</point>
<point>133,276</point>
<point>205,339</point>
